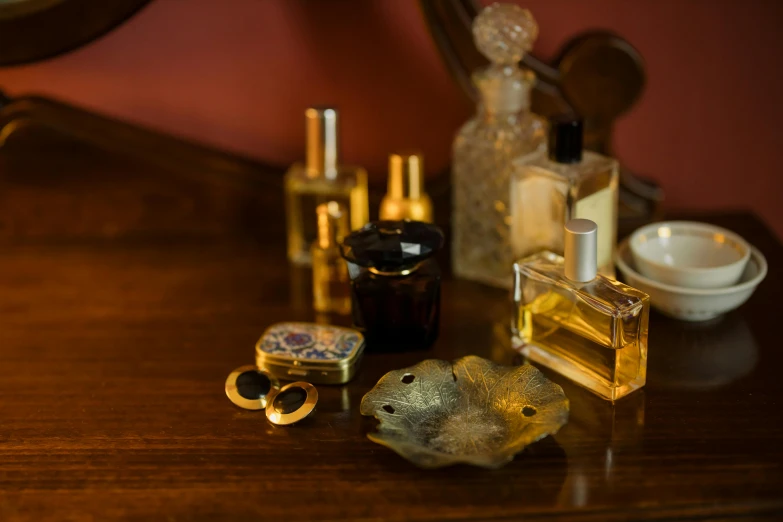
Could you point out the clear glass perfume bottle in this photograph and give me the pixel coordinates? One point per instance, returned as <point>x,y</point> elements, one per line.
<point>485,146</point>
<point>406,198</point>
<point>577,322</point>
<point>331,289</point>
<point>395,283</point>
<point>550,187</point>
<point>319,180</point>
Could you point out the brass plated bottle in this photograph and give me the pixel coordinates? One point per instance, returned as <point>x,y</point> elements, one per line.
<point>484,148</point>
<point>563,182</point>
<point>331,287</point>
<point>589,328</point>
<point>406,198</point>
<point>319,180</point>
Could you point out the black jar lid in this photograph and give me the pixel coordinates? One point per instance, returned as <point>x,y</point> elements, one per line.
<point>392,245</point>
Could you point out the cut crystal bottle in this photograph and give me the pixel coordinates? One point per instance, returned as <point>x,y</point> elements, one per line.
<point>589,328</point>
<point>485,146</point>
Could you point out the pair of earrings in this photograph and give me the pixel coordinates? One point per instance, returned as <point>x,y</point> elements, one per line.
<point>252,388</point>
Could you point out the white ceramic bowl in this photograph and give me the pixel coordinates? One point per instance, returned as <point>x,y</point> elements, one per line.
<point>693,304</point>
<point>689,254</point>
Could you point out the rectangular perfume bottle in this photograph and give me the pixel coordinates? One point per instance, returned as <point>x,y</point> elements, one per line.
<point>550,187</point>
<point>589,328</point>
<point>319,180</point>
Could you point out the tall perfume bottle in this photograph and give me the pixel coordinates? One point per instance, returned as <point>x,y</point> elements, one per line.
<point>395,283</point>
<point>406,198</point>
<point>485,146</point>
<point>590,328</point>
<point>318,180</point>
<point>331,289</point>
<point>550,187</point>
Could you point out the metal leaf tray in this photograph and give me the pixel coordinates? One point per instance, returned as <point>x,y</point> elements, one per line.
<point>472,411</point>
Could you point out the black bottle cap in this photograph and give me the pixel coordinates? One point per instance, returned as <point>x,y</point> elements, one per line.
<point>565,139</point>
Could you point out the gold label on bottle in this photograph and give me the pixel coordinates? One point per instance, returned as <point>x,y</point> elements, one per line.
<point>599,208</point>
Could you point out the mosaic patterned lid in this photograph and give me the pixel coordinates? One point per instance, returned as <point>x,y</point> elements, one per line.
<point>310,342</point>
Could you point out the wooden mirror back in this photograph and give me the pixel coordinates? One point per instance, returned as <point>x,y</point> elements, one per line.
<point>32,30</point>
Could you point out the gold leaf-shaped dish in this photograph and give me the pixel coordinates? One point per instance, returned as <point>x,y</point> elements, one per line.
<point>472,411</point>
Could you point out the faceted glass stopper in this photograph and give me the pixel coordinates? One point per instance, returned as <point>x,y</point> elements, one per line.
<point>392,245</point>
<point>504,33</point>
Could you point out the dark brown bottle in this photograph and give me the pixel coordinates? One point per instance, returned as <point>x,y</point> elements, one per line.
<point>395,283</point>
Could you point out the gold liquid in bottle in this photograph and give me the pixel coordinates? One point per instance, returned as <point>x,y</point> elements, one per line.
<point>319,180</point>
<point>581,324</point>
<point>331,287</point>
<point>406,198</point>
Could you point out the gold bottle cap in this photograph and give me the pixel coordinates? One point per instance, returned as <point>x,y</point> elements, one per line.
<point>406,175</point>
<point>332,224</point>
<point>322,141</point>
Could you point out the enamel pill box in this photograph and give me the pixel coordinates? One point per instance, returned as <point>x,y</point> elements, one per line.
<point>317,353</point>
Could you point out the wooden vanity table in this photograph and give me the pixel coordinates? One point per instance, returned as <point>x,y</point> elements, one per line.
<point>137,271</point>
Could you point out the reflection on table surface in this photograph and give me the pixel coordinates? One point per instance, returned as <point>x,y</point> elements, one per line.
<point>701,356</point>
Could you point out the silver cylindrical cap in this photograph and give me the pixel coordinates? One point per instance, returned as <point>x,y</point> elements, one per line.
<point>580,250</point>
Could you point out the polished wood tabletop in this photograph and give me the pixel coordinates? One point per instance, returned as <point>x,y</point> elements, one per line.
<point>126,299</point>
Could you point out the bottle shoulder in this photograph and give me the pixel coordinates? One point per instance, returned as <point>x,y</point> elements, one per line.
<point>609,295</point>
<point>522,123</point>
<point>538,163</point>
<point>347,176</point>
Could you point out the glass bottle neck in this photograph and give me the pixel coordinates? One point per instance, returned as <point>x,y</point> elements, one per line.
<point>494,116</point>
<point>504,91</point>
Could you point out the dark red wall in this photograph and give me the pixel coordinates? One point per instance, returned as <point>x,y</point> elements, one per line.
<point>238,73</point>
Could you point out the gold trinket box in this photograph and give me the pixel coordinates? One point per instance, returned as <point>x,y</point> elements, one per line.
<point>322,354</point>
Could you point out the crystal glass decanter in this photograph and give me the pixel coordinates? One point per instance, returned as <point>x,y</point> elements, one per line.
<point>395,283</point>
<point>485,146</point>
<point>589,328</point>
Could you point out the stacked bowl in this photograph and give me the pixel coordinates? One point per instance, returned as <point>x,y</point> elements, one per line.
<point>692,271</point>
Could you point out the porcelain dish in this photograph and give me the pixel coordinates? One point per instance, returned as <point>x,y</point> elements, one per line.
<point>693,304</point>
<point>689,254</point>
